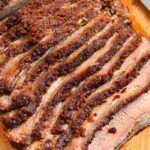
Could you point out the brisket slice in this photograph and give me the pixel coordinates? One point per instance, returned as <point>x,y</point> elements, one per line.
<point>70,45</point>
<point>55,19</point>
<point>91,83</point>
<point>69,82</point>
<point>24,44</point>
<point>64,68</point>
<point>126,123</point>
<point>111,106</point>
<point>7,7</point>
<point>71,73</point>
<point>59,35</point>
<point>133,86</point>
<point>105,54</point>
<point>3,3</point>
<point>16,16</point>
<point>43,27</point>
<point>73,61</point>
<point>69,64</point>
<point>120,80</point>
<point>132,57</point>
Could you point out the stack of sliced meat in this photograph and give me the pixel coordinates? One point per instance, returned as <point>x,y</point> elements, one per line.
<point>73,74</point>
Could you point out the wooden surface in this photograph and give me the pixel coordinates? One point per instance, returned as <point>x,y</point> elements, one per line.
<point>139,15</point>
<point>139,142</point>
<point>4,145</point>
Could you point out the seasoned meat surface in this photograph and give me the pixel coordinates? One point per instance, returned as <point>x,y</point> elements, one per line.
<point>74,74</point>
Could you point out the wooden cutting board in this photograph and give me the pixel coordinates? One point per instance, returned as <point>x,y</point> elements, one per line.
<point>139,15</point>
<point>139,142</point>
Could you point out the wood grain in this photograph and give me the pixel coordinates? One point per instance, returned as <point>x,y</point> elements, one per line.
<point>4,144</point>
<point>139,16</point>
<point>139,142</point>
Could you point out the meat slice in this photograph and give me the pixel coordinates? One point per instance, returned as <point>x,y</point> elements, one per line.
<point>63,68</point>
<point>72,103</point>
<point>82,72</point>
<point>126,123</point>
<point>111,107</point>
<point>53,56</point>
<point>46,138</point>
<point>3,4</point>
<point>9,6</point>
<point>72,72</point>
<point>60,95</point>
<point>70,45</point>
<point>100,95</point>
<point>93,82</point>
<point>69,82</point>
<point>56,17</point>
<point>16,16</point>
<point>74,60</point>
<point>21,135</point>
<point>42,47</point>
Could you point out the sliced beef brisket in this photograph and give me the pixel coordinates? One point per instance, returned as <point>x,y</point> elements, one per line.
<point>74,74</point>
<point>7,7</point>
<point>126,123</point>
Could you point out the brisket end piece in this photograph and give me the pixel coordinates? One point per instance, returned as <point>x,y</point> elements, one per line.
<point>127,122</point>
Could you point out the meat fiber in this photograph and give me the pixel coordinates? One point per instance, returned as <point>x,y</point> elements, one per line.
<point>124,125</point>
<point>74,74</point>
<point>9,6</point>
